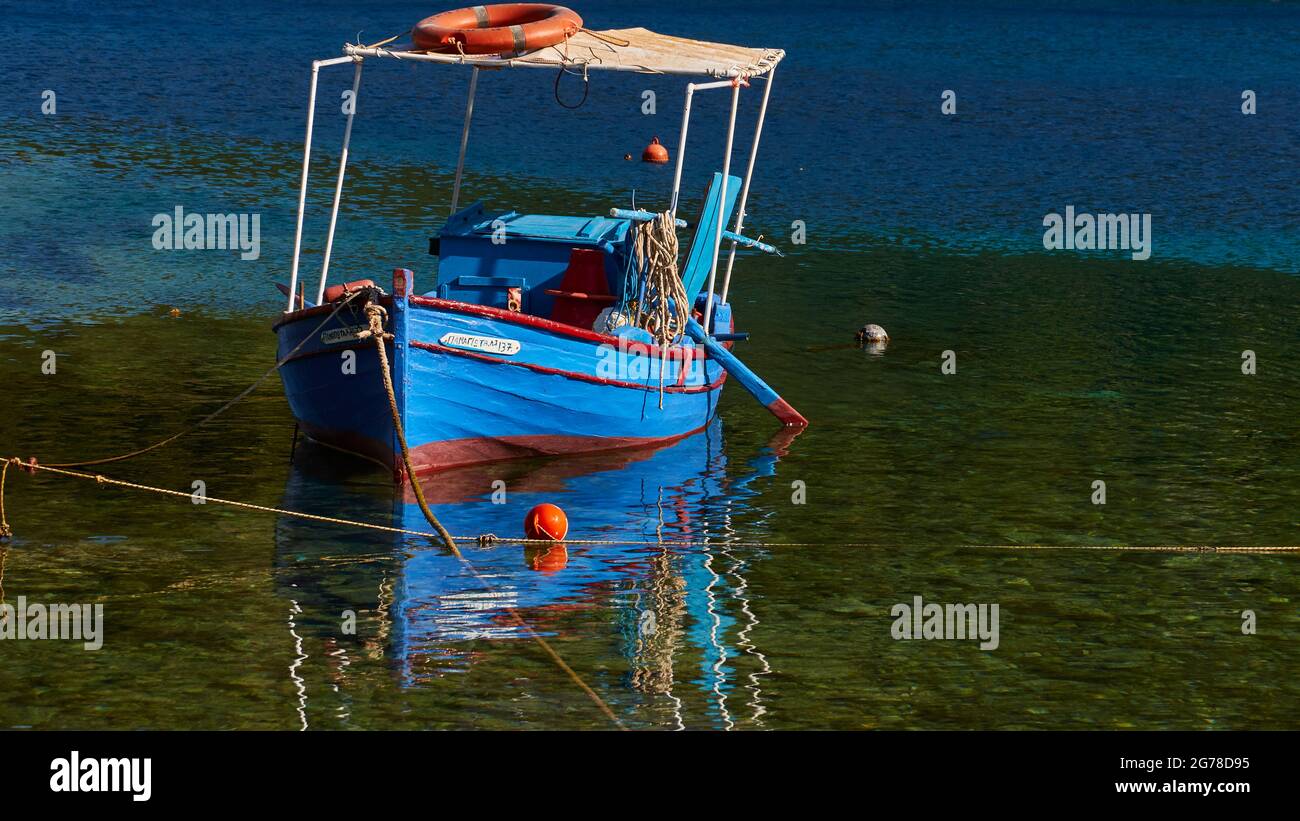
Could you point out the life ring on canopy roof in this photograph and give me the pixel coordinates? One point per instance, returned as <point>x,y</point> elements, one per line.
<point>502,28</point>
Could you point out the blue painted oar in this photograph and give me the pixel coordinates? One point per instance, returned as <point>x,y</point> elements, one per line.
<point>763,392</point>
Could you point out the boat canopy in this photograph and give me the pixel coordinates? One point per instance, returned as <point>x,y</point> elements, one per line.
<point>634,49</point>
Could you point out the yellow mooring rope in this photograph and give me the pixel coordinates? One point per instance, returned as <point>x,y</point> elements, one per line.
<point>486,539</point>
<point>376,314</point>
<point>205,420</point>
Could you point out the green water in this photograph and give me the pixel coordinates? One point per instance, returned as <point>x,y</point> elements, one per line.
<point>1068,371</point>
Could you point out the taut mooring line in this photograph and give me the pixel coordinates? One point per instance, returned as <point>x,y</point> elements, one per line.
<point>489,539</point>
<point>486,539</point>
<point>205,420</point>
<point>375,313</point>
<point>32,467</point>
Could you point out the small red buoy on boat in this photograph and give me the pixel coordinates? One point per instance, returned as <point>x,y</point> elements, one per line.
<point>546,521</point>
<point>655,152</point>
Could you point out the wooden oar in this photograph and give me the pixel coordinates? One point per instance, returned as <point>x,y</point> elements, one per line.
<point>763,392</point>
<point>302,303</point>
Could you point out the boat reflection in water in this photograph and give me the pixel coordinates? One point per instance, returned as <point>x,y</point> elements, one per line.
<point>679,611</point>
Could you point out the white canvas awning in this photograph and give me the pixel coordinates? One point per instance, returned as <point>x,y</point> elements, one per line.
<point>654,53</point>
<point>634,49</point>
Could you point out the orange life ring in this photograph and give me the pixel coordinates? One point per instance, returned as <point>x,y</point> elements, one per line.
<point>502,28</point>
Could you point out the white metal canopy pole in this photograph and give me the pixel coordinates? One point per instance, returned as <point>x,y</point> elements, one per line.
<point>306,165</point>
<point>338,183</point>
<point>749,175</point>
<point>464,139</point>
<point>691,88</point>
<point>681,148</point>
<point>722,204</point>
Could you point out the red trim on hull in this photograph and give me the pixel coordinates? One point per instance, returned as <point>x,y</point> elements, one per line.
<point>318,310</point>
<point>452,453</point>
<point>455,453</point>
<point>512,316</point>
<point>552,326</point>
<point>582,377</point>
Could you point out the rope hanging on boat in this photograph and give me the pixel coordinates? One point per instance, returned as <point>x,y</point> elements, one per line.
<point>376,314</point>
<point>586,87</point>
<point>383,42</point>
<point>662,308</point>
<point>607,38</point>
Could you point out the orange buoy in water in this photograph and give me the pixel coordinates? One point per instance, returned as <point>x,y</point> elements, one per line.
<point>655,152</point>
<point>550,558</point>
<point>546,521</point>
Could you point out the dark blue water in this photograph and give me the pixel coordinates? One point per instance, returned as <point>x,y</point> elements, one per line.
<point>1105,106</point>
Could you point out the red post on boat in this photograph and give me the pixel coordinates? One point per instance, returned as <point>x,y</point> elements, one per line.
<point>403,280</point>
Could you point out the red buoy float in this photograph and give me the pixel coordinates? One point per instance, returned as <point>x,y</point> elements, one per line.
<point>655,152</point>
<point>501,28</point>
<point>546,521</point>
<point>550,558</point>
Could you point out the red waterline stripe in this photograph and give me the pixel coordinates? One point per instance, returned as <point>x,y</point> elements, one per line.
<point>597,380</point>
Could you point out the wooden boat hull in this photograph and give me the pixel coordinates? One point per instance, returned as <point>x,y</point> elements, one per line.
<point>477,384</point>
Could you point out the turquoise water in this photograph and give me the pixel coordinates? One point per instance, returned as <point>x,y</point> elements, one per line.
<point>1071,369</point>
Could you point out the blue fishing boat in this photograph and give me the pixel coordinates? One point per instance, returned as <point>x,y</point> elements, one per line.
<point>545,334</point>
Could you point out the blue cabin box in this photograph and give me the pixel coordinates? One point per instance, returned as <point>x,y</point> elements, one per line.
<point>482,255</point>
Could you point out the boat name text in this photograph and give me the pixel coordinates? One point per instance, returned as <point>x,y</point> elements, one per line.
<point>351,333</point>
<point>486,344</point>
